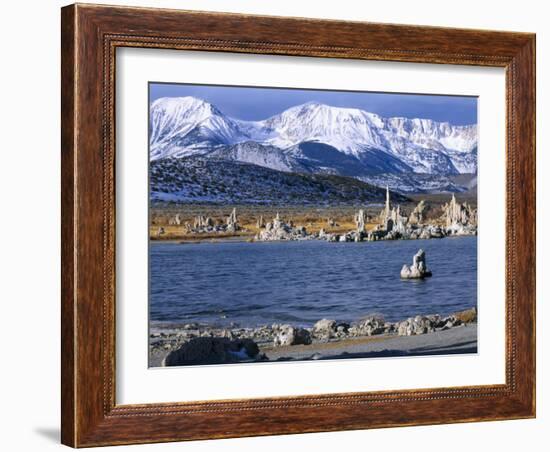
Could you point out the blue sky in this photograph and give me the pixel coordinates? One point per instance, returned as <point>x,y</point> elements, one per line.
<point>251,103</point>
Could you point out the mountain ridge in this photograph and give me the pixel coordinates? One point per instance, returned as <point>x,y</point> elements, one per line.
<point>314,138</point>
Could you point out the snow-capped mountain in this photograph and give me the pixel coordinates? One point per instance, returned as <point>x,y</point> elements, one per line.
<point>313,138</point>
<point>182,126</point>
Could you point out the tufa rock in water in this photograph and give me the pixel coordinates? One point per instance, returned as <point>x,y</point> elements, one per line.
<point>418,269</point>
<point>277,229</point>
<point>391,220</point>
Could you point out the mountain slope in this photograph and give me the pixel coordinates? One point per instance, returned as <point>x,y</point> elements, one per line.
<point>208,179</point>
<point>260,154</point>
<point>321,157</point>
<point>423,183</point>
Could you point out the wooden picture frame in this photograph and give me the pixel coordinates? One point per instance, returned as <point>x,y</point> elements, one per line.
<point>90,35</point>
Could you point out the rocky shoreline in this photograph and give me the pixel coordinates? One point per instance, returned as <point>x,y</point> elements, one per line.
<point>195,344</point>
<point>456,220</point>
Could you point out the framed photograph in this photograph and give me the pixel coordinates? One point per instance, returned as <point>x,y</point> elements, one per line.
<point>282,225</point>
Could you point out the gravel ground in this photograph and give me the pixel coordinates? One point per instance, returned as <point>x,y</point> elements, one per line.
<point>461,339</point>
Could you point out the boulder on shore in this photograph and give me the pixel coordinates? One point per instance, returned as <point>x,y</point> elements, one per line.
<point>467,316</point>
<point>290,335</point>
<point>417,325</point>
<point>212,350</point>
<point>418,270</point>
<point>370,326</point>
<point>324,329</point>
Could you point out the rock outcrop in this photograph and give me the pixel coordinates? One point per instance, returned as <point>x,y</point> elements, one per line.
<point>392,224</point>
<point>194,343</point>
<point>370,326</point>
<point>390,217</point>
<point>460,219</point>
<point>324,329</point>
<point>418,270</point>
<point>204,224</point>
<point>418,215</point>
<point>467,316</point>
<point>360,220</point>
<point>277,229</point>
<point>416,325</point>
<point>427,324</point>
<point>175,220</point>
<point>232,223</point>
<point>290,335</point>
<point>212,350</point>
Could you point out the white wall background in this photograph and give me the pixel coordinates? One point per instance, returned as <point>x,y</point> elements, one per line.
<point>29,254</point>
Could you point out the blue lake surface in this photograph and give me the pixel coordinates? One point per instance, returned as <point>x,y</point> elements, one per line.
<point>252,284</point>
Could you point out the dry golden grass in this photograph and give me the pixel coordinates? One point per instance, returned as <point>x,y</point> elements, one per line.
<point>176,234</point>
<point>314,218</point>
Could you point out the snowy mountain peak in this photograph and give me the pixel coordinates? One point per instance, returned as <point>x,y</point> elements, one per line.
<point>188,106</point>
<point>347,129</point>
<point>184,126</point>
<point>437,135</point>
<point>180,126</point>
<point>318,111</point>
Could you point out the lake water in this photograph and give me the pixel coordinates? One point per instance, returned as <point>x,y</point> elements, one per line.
<point>252,284</point>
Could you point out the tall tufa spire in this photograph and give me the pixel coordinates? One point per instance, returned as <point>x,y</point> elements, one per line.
<point>387,199</point>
